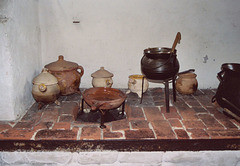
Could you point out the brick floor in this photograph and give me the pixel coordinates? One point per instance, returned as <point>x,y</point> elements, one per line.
<point>191,117</point>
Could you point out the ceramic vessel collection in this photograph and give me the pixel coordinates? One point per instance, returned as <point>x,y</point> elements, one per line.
<point>63,77</point>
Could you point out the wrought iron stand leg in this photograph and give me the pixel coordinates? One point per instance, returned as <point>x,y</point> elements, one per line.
<point>82,104</point>
<point>167,96</point>
<point>123,108</point>
<point>142,90</point>
<point>102,126</point>
<point>174,89</point>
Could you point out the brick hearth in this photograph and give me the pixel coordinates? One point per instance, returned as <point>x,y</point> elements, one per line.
<point>191,118</point>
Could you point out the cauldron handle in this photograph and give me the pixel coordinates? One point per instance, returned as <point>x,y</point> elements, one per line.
<point>220,76</point>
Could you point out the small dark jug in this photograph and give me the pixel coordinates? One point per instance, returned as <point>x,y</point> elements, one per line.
<point>228,92</point>
<point>159,63</point>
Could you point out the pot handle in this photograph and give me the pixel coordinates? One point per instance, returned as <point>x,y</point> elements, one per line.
<point>42,87</point>
<point>96,106</point>
<point>82,70</point>
<point>220,76</point>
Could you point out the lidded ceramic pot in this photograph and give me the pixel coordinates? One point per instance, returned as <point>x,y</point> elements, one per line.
<point>187,83</point>
<point>45,88</point>
<point>67,75</point>
<point>102,78</point>
<point>135,84</point>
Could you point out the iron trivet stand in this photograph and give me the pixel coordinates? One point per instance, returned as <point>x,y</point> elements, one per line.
<point>166,90</point>
<point>103,112</point>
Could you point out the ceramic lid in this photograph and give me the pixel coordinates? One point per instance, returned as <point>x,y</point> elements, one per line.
<point>61,65</point>
<point>45,78</point>
<point>102,73</point>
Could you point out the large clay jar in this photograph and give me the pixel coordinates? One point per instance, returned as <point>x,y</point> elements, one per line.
<point>102,78</point>
<point>135,84</point>
<point>45,88</point>
<point>67,75</point>
<point>186,83</point>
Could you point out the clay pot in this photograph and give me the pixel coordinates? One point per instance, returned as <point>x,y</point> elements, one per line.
<point>102,78</point>
<point>45,88</point>
<point>186,83</point>
<point>135,84</point>
<point>67,75</point>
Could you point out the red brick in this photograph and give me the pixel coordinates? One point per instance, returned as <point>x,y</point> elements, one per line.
<point>70,109</point>
<point>175,122</point>
<point>235,122</point>
<point>228,124</point>
<point>138,124</point>
<point>134,113</point>
<point>199,109</point>
<point>210,122</point>
<point>25,125</point>
<point>57,135</point>
<point>112,135</point>
<point>15,134</point>
<point>193,103</point>
<point>66,118</point>
<point>222,134</point>
<point>217,114</point>
<point>4,126</point>
<point>43,125</point>
<point>50,115</point>
<point>156,91</point>
<point>198,134</point>
<point>153,113</point>
<point>120,125</point>
<point>193,124</point>
<point>181,134</point>
<point>188,114</point>
<point>32,116</point>
<point>139,134</point>
<point>204,100</point>
<point>172,114</point>
<point>163,129</point>
<point>91,133</point>
<point>62,126</point>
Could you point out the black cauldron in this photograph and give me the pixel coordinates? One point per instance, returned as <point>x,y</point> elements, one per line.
<point>228,92</point>
<point>159,63</point>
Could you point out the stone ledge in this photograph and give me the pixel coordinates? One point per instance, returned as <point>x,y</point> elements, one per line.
<point>120,145</point>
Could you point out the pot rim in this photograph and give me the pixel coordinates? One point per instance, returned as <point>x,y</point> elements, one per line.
<point>231,66</point>
<point>188,75</point>
<point>159,50</point>
<point>136,76</point>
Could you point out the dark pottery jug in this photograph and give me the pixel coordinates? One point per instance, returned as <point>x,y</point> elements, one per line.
<point>159,63</point>
<point>228,92</point>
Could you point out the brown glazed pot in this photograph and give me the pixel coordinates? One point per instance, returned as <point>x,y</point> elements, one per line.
<point>103,98</point>
<point>67,75</point>
<point>186,83</point>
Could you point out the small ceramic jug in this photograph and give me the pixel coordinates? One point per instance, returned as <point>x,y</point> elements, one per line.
<point>135,84</point>
<point>187,83</point>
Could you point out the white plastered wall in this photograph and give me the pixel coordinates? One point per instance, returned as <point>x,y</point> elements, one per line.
<point>20,55</point>
<point>114,34</point>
